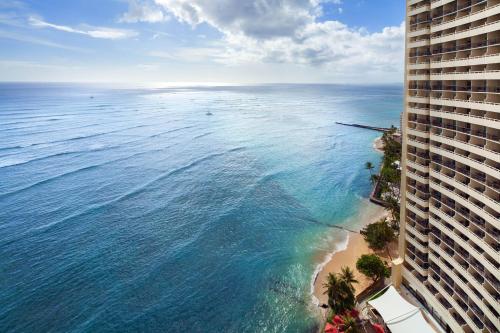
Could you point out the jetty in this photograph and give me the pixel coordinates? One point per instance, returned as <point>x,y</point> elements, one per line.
<point>373,128</point>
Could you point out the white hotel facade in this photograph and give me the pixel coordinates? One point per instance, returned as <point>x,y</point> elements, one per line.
<point>450,205</point>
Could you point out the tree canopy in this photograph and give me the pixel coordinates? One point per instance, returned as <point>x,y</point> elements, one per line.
<point>372,266</point>
<point>378,235</point>
<point>340,290</point>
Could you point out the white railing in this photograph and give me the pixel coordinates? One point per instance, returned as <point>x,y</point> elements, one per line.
<point>468,58</point>
<point>468,30</point>
<point>469,72</point>
<point>460,228</point>
<point>464,202</point>
<point>411,11</point>
<point>466,143</point>
<point>465,100</point>
<point>464,115</point>
<point>469,15</point>
<point>465,175</point>
<point>463,285</point>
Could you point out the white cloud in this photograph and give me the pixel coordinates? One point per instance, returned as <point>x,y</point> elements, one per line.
<point>33,64</point>
<point>140,11</point>
<point>95,32</point>
<point>256,18</point>
<point>289,32</point>
<point>148,67</point>
<point>194,54</point>
<point>38,41</point>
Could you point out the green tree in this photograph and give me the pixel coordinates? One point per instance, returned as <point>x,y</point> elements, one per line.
<point>340,290</point>
<point>350,325</point>
<point>373,267</point>
<point>347,276</point>
<point>369,166</point>
<point>378,235</point>
<point>394,208</point>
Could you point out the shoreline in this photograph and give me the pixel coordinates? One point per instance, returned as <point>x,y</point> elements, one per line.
<point>345,254</point>
<point>378,145</point>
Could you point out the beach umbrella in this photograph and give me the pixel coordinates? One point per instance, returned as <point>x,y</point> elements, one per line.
<point>378,328</point>
<point>329,328</point>
<point>337,320</point>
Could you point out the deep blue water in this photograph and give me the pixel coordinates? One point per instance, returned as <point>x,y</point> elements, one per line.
<point>134,211</point>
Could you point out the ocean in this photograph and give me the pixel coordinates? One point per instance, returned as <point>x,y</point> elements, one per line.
<point>177,208</point>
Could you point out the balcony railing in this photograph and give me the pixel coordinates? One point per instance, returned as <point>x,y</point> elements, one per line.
<point>494,169</point>
<point>441,22</point>
<point>465,47</point>
<point>466,5</point>
<point>462,114</point>
<point>465,58</point>
<point>466,30</point>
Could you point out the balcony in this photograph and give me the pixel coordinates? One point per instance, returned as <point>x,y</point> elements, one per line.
<point>471,75</point>
<point>467,33</point>
<point>471,162</point>
<point>468,46</point>
<point>484,120</point>
<point>419,9</point>
<point>466,61</point>
<point>439,23</point>
<point>471,296</point>
<point>418,31</point>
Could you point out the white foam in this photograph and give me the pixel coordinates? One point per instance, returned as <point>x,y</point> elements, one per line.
<point>341,246</point>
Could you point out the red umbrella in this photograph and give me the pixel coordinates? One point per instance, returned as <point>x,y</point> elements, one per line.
<point>329,328</point>
<point>378,328</point>
<point>337,320</point>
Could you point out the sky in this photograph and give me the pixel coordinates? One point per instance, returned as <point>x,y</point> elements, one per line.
<point>213,41</point>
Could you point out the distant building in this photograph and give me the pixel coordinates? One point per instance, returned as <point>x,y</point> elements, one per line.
<point>450,204</point>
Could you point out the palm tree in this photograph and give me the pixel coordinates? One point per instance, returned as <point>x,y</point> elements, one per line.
<point>347,275</point>
<point>369,166</point>
<point>350,324</point>
<point>334,292</point>
<point>374,179</point>
<point>340,290</point>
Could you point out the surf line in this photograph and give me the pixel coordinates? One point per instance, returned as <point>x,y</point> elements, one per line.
<point>331,225</point>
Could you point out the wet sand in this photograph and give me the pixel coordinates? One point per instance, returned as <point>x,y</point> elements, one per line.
<point>356,246</point>
<point>378,145</point>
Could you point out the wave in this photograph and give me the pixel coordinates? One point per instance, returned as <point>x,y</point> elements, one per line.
<point>202,135</point>
<point>80,137</point>
<point>48,180</point>
<point>84,168</point>
<point>132,193</point>
<point>340,246</point>
<point>15,162</point>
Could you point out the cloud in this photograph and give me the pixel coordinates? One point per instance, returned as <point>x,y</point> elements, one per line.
<point>288,32</point>
<point>148,67</point>
<point>33,64</point>
<point>94,32</point>
<point>255,18</point>
<point>38,41</point>
<point>141,11</point>
<point>193,54</point>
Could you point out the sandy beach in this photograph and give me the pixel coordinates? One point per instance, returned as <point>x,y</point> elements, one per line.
<point>356,246</point>
<point>378,145</point>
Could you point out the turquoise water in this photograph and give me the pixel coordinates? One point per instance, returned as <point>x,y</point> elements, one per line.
<point>132,210</point>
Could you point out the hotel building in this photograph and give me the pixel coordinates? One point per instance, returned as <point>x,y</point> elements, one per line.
<point>450,202</point>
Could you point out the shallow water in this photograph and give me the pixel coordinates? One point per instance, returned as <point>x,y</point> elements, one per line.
<point>136,211</point>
